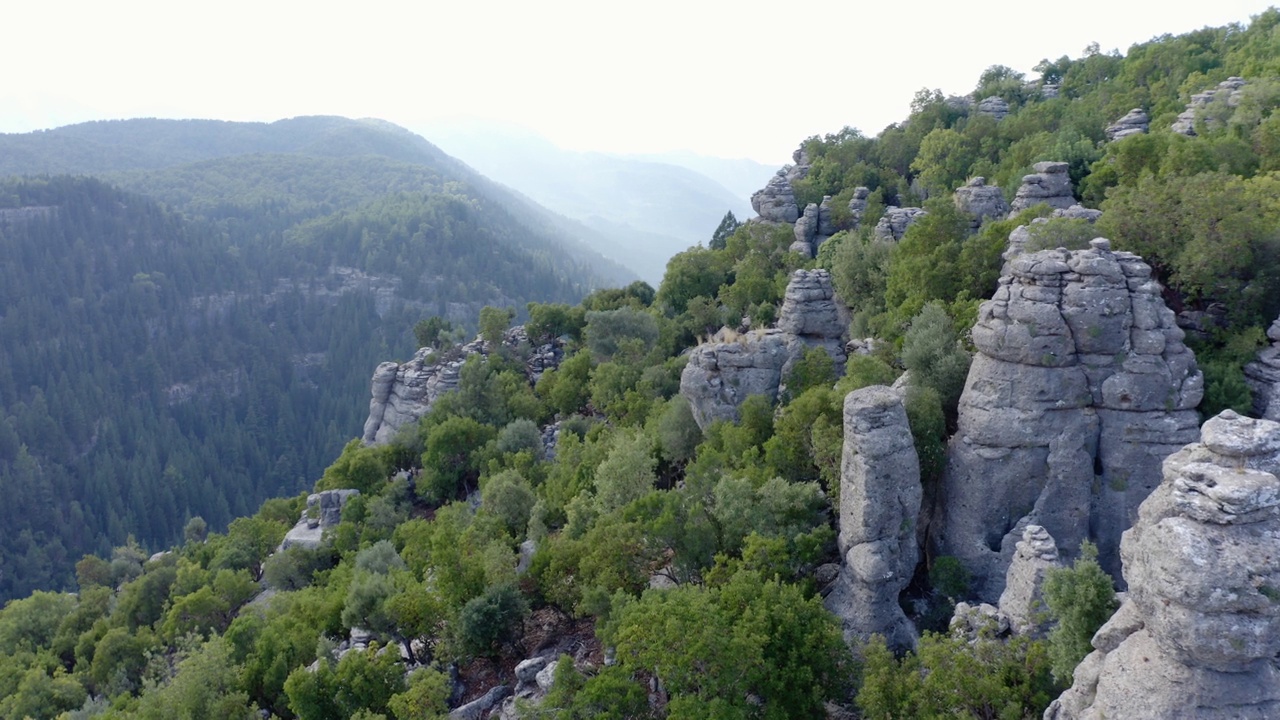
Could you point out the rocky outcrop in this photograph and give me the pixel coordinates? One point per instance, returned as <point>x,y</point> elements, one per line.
<point>993,106</point>
<point>826,224</point>
<point>880,497</point>
<point>806,231</point>
<point>402,393</point>
<point>1199,630</point>
<point>980,201</point>
<point>895,221</point>
<point>1050,91</point>
<point>858,205</point>
<point>1050,185</point>
<point>1135,122</point>
<point>1080,386</point>
<point>1022,602</point>
<point>1263,377</point>
<point>324,510</point>
<point>721,374</point>
<point>1230,88</point>
<point>776,202</point>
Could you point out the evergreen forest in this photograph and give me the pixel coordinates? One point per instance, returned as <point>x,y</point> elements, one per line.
<point>180,344</point>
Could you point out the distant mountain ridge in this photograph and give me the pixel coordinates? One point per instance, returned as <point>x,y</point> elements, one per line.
<point>658,205</point>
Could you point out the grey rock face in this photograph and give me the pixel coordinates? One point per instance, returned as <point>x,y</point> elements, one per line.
<point>1050,184</point>
<point>1049,91</point>
<point>1135,122</point>
<point>980,201</point>
<point>1022,601</point>
<point>720,375</point>
<point>1186,122</point>
<point>1080,386</point>
<point>962,103</point>
<point>1199,629</point>
<point>404,392</point>
<point>895,221</point>
<point>880,497</point>
<point>776,202</point>
<point>994,106</point>
<point>1263,377</point>
<point>858,205</point>
<point>324,510</point>
<point>806,231</point>
<point>826,225</point>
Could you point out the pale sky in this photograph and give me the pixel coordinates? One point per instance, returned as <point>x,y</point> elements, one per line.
<point>724,78</point>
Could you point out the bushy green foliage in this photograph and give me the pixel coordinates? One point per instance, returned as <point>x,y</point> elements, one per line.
<point>931,352</point>
<point>950,676</point>
<point>1080,598</point>
<point>492,620</point>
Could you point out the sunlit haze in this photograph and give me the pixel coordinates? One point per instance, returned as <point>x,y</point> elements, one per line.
<point>729,79</point>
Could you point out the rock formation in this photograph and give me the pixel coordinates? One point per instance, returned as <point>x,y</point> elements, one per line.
<point>1080,386</point>
<point>880,497</point>
<point>1135,122</point>
<point>404,392</point>
<point>723,373</point>
<point>980,201</point>
<point>776,202</point>
<point>324,510</point>
<point>858,205</point>
<point>1049,91</point>
<point>1050,184</point>
<point>813,228</point>
<point>1022,602</point>
<point>994,106</point>
<point>895,221</point>
<point>1199,630</point>
<point>1186,122</point>
<point>806,231</point>
<point>1263,377</point>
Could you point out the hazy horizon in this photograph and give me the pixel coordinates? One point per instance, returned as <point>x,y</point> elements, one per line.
<point>716,78</point>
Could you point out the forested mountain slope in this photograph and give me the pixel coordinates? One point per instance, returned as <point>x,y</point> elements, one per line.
<point>679,569</point>
<point>201,356</point>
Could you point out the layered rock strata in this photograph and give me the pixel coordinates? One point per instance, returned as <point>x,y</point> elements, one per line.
<point>895,221</point>
<point>776,202</point>
<point>1049,184</point>
<point>994,106</point>
<point>1199,630</point>
<point>1229,88</point>
<point>402,393</point>
<point>980,201</point>
<point>721,374</point>
<point>1263,377</point>
<point>1022,602</point>
<point>1080,386</point>
<point>880,497</point>
<point>1135,122</point>
<point>858,205</point>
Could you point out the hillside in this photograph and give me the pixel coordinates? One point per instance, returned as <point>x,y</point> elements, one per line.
<point>174,356</point>
<point>656,207</point>
<point>888,450</point>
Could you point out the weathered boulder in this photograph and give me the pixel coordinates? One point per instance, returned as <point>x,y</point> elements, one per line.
<point>721,374</point>
<point>858,205</point>
<point>402,393</point>
<point>1263,377</point>
<point>980,201</point>
<point>806,231</point>
<point>994,106</point>
<point>1135,122</point>
<point>1049,91</point>
<point>826,224</point>
<point>1050,185</point>
<point>776,202</point>
<point>1199,630</point>
<point>895,221</point>
<point>324,510</point>
<point>1080,386</point>
<point>1186,122</point>
<point>880,497</point>
<point>1022,602</point>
